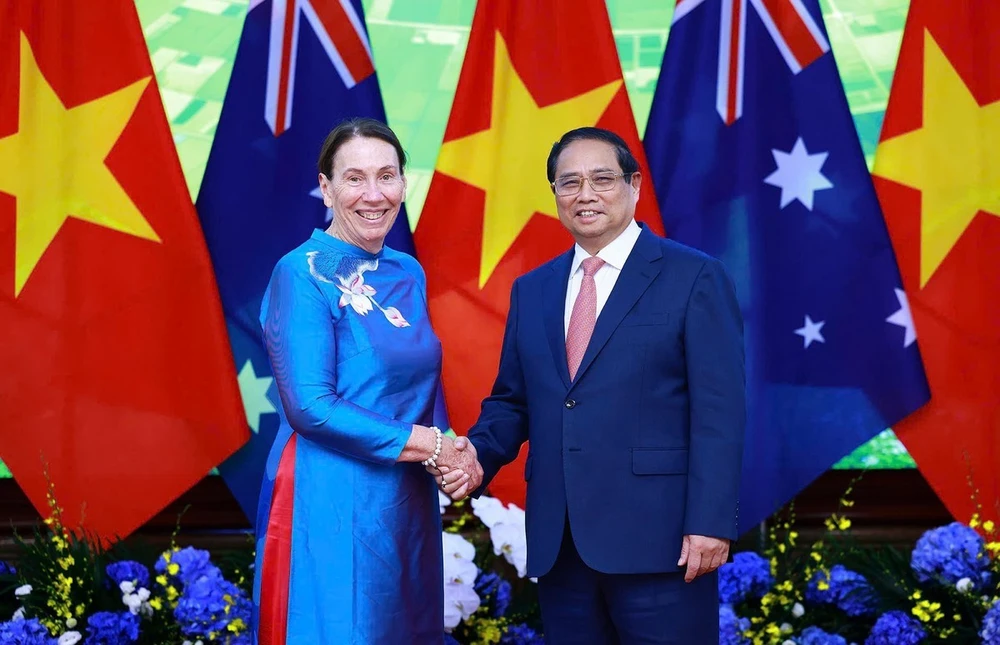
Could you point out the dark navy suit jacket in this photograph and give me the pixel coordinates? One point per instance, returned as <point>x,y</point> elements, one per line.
<point>645,445</point>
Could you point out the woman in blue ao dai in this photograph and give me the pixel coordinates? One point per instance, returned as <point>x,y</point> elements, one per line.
<point>349,527</point>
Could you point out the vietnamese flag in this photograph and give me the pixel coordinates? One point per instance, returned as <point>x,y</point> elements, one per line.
<point>937,171</point>
<point>117,377</point>
<point>532,71</point>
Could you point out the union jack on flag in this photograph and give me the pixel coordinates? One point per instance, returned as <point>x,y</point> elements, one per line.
<point>341,32</point>
<point>793,30</point>
<point>779,191</point>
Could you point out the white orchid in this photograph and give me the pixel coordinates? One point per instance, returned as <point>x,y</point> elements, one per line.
<point>509,540</point>
<point>798,610</point>
<point>458,559</point>
<point>23,590</point>
<point>70,638</point>
<point>489,510</point>
<point>507,532</point>
<point>460,602</point>
<point>964,585</point>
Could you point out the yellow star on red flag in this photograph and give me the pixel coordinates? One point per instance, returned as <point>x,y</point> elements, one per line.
<point>953,159</point>
<point>507,161</point>
<point>54,165</point>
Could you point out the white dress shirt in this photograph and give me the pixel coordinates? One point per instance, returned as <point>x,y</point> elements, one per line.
<point>614,256</point>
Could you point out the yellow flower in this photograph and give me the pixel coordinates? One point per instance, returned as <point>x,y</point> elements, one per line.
<point>988,526</point>
<point>928,611</point>
<point>173,568</point>
<point>974,522</point>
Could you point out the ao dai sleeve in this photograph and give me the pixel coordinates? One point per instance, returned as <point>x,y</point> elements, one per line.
<point>300,341</point>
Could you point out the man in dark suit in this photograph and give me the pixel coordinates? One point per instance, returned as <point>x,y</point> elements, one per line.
<point>622,363</point>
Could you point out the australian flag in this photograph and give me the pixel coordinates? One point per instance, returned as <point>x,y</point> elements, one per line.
<point>302,66</point>
<point>755,160</point>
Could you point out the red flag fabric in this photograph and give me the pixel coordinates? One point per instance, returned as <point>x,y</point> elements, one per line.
<point>117,376</point>
<point>532,71</point>
<point>938,178</point>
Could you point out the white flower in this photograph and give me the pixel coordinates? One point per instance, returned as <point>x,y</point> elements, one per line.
<point>127,586</point>
<point>70,638</point>
<point>19,614</point>
<point>443,500</point>
<point>509,539</point>
<point>137,602</point>
<point>489,509</point>
<point>786,628</point>
<point>798,610</point>
<point>964,585</point>
<point>23,590</point>
<point>71,622</point>
<point>789,642</point>
<point>458,559</point>
<point>508,535</point>
<point>460,601</point>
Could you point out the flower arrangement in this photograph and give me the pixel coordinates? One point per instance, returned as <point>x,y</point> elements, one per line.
<point>486,596</point>
<point>946,590</point>
<point>69,589</point>
<point>66,589</point>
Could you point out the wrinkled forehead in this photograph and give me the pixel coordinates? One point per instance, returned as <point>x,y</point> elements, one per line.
<point>366,154</point>
<point>585,157</point>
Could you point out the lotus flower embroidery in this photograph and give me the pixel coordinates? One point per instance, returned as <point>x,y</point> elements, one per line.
<point>355,292</point>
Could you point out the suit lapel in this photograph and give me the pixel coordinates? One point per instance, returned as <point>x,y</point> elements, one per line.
<point>554,311</point>
<point>641,268</point>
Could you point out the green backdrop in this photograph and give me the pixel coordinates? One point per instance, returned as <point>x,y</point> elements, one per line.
<point>419,46</point>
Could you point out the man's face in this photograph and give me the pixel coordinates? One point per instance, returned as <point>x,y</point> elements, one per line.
<point>593,217</point>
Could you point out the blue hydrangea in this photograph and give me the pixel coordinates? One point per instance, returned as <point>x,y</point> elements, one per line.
<point>25,632</point>
<point>949,553</point>
<point>7,569</point>
<point>990,633</point>
<point>112,628</point>
<point>896,628</point>
<point>731,627</point>
<point>521,635</point>
<point>848,590</point>
<point>128,570</point>
<point>816,636</point>
<point>491,584</point>
<point>192,563</point>
<point>747,576</point>
<point>209,604</point>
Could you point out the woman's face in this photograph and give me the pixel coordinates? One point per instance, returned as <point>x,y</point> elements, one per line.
<point>365,190</point>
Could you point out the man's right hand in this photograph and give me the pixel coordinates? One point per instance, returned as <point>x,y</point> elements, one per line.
<point>459,472</point>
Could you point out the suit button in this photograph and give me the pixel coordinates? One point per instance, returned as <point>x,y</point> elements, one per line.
<point>570,404</point>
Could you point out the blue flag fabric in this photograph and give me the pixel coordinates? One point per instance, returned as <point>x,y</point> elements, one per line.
<point>755,159</point>
<point>301,68</point>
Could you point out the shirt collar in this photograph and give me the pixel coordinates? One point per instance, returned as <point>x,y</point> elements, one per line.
<point>614,253</point>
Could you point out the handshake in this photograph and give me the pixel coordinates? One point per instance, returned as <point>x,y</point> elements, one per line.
<point>458,472</point>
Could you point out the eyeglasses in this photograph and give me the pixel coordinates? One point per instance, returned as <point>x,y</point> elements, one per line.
<point>600,183</point>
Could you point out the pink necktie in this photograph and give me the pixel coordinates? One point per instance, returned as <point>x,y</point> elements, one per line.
<point>581,321</point>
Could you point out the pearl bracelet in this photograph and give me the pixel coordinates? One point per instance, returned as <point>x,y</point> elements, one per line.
<point>432,460</point>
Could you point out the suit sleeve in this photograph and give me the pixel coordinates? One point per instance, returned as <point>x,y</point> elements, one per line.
<point>713,344</point>
<point>301,344</point>
<point>503,419</point>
